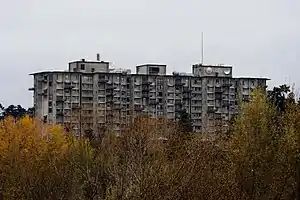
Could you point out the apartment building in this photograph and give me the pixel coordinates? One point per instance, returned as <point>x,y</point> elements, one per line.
<point>91,95</point>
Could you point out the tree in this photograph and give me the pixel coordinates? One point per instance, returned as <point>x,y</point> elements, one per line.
<point>185,122</point>
<point>35,161</point>
<point>16,112</point>
<point>31,112</point>
<point>1,112</point>
<point>277,96</point>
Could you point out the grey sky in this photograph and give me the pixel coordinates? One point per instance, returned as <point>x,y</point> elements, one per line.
<point>258,37</point>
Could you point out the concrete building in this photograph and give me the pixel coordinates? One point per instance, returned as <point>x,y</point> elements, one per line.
<point>90,95</point>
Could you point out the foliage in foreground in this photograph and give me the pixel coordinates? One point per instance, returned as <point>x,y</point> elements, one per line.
<point>258,159</point>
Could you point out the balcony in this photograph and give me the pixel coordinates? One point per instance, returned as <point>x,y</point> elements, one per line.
<point>196,111</point>
<point>145,88</point>
<point>75,106</point>
<point>68,86</point>
<point>196,116</point>
<point>227,85</point>
<point>138,108</point>
<point>59,99</point>
<point>186,90</point>
<point>210,109</point>
<point>145,95</point>
<point>153,102</point>
<point>218,117</point>
<point>218,97</point>
<point>85,94</point>
<point>225,98</point>
<point>218,91</point>
<point>186,96</point>
<point>226,104</point>
<point>59,113</point>
<point>45,92</point>
<point>177,83</point>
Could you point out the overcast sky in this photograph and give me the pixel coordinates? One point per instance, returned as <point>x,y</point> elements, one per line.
<point>258,37</point>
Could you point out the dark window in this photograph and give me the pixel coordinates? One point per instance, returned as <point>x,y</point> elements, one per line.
<point>93,70</point>
<point>153,70</point>
<point>50,83</point>
<point>50,103</point>
<point>82,67</point>
<point>50,110</point>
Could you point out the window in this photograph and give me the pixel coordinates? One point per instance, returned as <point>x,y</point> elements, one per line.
<point>170,101</point>
<point>93,69</point>
<point>153,70</point>
<point>82,67</point>
<point>50,110</point>
<point>217,81</point>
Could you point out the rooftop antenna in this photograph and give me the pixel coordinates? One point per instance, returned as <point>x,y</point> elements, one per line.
<point>202,49</point>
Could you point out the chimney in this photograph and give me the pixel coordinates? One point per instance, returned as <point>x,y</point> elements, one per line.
<point>98,57</point>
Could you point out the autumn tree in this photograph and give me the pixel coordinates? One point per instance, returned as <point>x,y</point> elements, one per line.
<point>34,161</point>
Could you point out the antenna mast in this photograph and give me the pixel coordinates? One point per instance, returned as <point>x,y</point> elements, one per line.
<point>202,49</point>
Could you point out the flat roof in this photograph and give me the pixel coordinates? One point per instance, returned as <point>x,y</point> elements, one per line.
<point>262,78</point>
<point>166,75</point>
<point>208,65</point>
<point>151,64</point>
<point>85,61</point>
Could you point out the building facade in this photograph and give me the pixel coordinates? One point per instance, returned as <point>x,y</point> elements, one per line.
<point>90,95</point>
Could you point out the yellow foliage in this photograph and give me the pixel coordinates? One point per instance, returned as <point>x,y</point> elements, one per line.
<point>29,148</point>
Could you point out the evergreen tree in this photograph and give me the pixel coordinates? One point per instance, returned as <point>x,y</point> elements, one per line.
<point>185,122</point>
<point>277,96</point>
